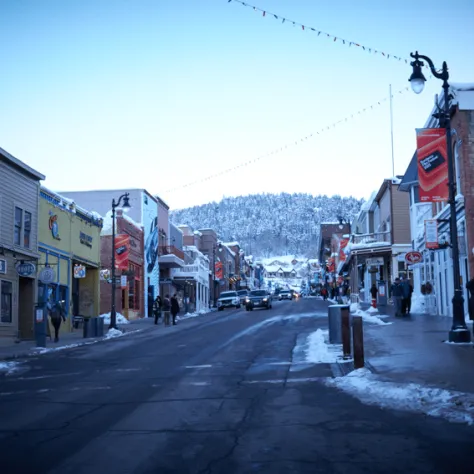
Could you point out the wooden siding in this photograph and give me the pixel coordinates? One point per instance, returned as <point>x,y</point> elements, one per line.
<point>17,190</point>
<point>400,216</point>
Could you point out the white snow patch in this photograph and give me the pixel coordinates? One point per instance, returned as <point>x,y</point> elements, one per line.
<point>121,319</point>
<point>354,307</point>
<point>370,318</point>
<point>9,367</point>
<point>372,310</point>
<point>318,351</point>
<point>194,315</point>
<point>369,389</point>
<point>113,333</point>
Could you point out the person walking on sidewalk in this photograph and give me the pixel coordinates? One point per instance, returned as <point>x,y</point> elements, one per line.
<point>407,290</point>
<point>166,310</point>
<point>174,307</point>
<point>157,304</point>
<point>397,294</point>
<point>56,313</point>
<point>374,292</point>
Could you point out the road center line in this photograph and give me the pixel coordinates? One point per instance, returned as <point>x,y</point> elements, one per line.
<point>204,366</point>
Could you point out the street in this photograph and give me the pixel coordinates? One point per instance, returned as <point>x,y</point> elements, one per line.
<point>227,392</point>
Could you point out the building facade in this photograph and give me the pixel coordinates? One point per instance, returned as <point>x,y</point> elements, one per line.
<point>19,203</point>
<point>69,244</point>
<point>129,299</point>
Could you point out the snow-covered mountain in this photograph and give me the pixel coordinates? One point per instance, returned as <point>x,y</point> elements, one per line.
<point>270,224</point>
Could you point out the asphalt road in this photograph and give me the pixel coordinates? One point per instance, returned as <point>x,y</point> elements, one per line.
<point>222,393</point>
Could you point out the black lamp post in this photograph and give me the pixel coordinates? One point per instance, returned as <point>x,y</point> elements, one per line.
<point>126,205</point>
<point>214,248</point>
<point>459,332</point>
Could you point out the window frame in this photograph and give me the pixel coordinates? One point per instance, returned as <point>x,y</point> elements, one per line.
<point>15,227</point>
<point>22,232</point>
<point>25,245</point>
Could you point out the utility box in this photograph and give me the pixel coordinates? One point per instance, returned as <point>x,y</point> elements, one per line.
<point>335,322</point>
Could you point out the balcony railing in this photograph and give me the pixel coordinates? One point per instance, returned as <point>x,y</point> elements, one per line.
<point>170,250</point>
<point>371,238</point>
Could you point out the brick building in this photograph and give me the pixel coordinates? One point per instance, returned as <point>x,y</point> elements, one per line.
<point>129,301</point>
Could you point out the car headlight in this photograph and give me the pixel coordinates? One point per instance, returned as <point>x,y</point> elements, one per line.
<point>247,300</point>
<point>265,300</point>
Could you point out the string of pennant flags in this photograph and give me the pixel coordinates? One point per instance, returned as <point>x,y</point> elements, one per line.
<point>289,145</point>
<point>319,33</point>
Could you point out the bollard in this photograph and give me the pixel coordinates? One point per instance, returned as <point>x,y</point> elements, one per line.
<point>346,333</point>
<point>334,323</point>
<point>358,342</point>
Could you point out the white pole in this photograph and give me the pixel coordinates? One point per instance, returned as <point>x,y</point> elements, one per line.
<point>391,129</point>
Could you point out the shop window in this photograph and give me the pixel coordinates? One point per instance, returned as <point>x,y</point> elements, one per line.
<point>27,230</point>
<point>18,225</point>
<point>63,298</point>
<point>134,287</point>
<point>6,290</point>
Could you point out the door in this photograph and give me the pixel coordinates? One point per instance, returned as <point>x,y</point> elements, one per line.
<point>26,303</point>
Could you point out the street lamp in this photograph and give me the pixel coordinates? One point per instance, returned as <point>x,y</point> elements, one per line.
<point>126,205</point>
<point>459,332</point>
<point>214,248</point>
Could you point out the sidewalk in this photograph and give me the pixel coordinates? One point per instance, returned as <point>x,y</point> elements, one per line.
<point>414,349</point>
<point>13,350</point>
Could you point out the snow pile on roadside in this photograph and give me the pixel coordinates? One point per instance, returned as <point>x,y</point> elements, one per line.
<point>194,315</point>
<point>113,333</point>
<point>354,307</point>
<point>369,389</point>
<point>318,351</point>
<point>366,316</point>
<point>121,319</point>
<point>372,310</point>
<point>9,367</point>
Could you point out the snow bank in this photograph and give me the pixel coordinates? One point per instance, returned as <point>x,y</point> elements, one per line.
<point>371,390</point>
<point>121,319</point>
<point>194,315</point>
<point>113,333</point>
<point>318,351</point>
<point>9,367</point>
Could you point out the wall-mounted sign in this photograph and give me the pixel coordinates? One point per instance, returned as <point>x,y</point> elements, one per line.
<point>54,227</point>
<point>413,257</point>
<point>25,269</point>
<point>431,234</point>
<point>3,266</point>
<point>374,262</point>
<point>123,281</point>
<point>104,274</point>
<point>79,271</point>
<point>47,275</point>
<point>85,239</point>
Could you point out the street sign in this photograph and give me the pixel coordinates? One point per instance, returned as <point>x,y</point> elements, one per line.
<point>47,275</point>
<point>25,269</point>
<point>123,281</point>
<point>413,257</point>
<point>431,234</point>
<point>79,271</point>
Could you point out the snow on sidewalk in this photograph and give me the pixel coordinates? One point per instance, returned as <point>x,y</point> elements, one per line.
<point>372,390</point>
<point>194,315</point>
<point>319,351</point>
<point>369,314</point>
<point>121,319</point>
<point>9,368</point>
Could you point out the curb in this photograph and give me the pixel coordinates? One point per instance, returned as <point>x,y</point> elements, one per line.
<point>342,368</point>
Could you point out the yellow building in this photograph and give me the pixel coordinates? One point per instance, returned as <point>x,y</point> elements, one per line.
<point>69,244</point>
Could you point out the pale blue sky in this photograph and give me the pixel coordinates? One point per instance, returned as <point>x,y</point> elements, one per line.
<point>157,94</point>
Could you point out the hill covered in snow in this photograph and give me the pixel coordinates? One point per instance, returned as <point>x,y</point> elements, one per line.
<point>270,224</point>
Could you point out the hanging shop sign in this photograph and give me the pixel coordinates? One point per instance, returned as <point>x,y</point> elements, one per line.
<point>413,257</point>
<point>431,234</point>
<point>47,275</point>
<point>79,271</point>
<point>374,262</point>
<point>219,270</point>
<point>25,269</point>
<point>3,266</point>
<point>104,274</point>
<point>122,251</point>
<point>432,164</point>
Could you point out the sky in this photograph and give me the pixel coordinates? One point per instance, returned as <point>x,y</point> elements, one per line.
<point>162,95</point>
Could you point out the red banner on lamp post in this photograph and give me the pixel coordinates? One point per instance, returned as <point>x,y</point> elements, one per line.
<point>122,251</point>
<point>219,269</point>
<point>432,164</point>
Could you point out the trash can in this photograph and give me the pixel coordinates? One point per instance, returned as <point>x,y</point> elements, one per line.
<point>335,323</point>
<point>100,326</point>
<point>86,328</point>
<point>93,327</point>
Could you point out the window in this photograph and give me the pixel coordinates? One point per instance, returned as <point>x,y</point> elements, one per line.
<point>27,231</point>
<point>134,287</point>
<point>18,225</point>
<point>6,290</point>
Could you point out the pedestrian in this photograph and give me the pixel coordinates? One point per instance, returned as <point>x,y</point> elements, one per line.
<point>374,292</point>
<point>56,313</point>
<point>174,307</point>
<point>470,301</point>
<point>410,293</point>
<point>397,295</point>
<point>157,304</point>
<point>166,310</point>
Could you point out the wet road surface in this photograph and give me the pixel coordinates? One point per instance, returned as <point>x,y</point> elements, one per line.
<point>228,392</point>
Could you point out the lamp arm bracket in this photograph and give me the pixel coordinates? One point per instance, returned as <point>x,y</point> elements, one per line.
<point>444,75</point>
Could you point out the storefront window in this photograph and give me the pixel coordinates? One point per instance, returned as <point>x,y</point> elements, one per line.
<point>6,290</point>
<point>134,287</point>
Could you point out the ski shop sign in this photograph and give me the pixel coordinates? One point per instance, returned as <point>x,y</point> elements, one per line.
<point>413,257</point>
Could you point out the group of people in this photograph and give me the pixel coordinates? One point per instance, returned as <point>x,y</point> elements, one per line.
<point>402,291</point>
<point>166,307</point>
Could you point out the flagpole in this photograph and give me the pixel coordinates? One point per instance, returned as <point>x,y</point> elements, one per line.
<point>391,129</point>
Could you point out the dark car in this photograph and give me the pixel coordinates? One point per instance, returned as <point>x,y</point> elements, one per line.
<point>243,295</point>
<point>258,299</point>
<point>285,295</point>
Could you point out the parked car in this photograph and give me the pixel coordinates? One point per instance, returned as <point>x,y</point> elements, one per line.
<point>228,299</point>
<point>285,295</point>
<point>258,299</point>
<point>243,295</point>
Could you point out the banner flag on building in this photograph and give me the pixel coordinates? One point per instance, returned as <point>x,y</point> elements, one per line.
<point>219,271</point>
<point>122,251</point>
<point>432,160</point>
<point>431,234</point>
<point>342,245</point>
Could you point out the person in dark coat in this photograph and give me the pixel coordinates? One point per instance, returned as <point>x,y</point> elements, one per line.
<point>174,308</point>
<point>397,295</point>
<point>374,292</point>
<point>157,304</point>
<point>56,314</point>
<point>470,301</point>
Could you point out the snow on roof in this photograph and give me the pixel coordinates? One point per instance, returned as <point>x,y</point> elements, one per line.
<point>107,229</point>
<point>228,249</point>
<point>232,244</point>
<point>283,259</point>
<point>196,232</point>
